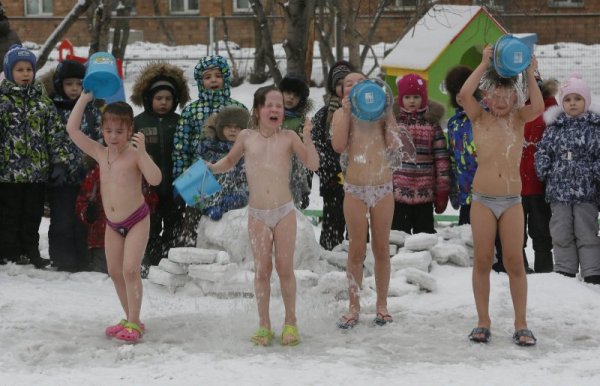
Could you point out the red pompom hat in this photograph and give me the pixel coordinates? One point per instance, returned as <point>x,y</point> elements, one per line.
<point>412,84</point>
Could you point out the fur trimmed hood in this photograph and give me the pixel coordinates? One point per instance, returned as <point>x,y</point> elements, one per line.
<point>47,80</point>
<point>555,113</point>
<point>155,71</point>
<point>433,113</point>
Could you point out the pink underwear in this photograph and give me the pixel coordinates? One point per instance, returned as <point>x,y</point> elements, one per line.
<point>125,226</point>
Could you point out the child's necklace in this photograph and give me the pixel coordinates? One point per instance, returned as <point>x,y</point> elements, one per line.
<point>108,161</point>
<point>267,136</point>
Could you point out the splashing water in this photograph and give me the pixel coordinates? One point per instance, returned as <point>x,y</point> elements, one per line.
<point>490,81</point>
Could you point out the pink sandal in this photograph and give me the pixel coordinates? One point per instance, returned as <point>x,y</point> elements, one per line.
<point>112,331</point>
<point>131,332</point>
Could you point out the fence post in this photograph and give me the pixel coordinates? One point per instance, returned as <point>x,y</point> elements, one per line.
<point>211,34</point>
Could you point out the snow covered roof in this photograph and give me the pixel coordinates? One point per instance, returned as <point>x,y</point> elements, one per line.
<point>421,45</point>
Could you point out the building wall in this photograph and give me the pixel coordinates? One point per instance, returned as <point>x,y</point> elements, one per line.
<point>550,23</point>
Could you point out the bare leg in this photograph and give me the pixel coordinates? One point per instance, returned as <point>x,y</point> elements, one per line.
<point>511,235</point>
<point>261,241</point>
<point>381,223</point>
<point>114,244</point>
<point>285,241</point>
<point>135,245</point>
<point>355,212</point>
<point>483,225</point>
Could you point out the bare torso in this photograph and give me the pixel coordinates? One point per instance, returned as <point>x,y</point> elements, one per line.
<point>120,185</point>
<point>267,162</point>
<point>499,143</point>
<point>367,162</point>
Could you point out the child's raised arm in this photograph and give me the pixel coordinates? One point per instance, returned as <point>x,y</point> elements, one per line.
<point>466,95</point>
<point>536,100</point>
<point>306,152</point>
<point>85,143</point>
<point>340,126</point>
<point>234,155</point>
<point>149,170</point>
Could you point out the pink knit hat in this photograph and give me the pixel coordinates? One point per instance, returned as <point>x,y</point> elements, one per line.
<point>412,84</point>
<point>575,85</point>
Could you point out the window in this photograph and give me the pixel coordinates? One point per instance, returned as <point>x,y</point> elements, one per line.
<point>405,5</point>
<point>495,5</point>
<point>38,7</point>
<point>184,6</point>
<point>566,3</point>
<point>241,6</point>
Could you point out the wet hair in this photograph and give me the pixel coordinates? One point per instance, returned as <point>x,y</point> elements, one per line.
<point>119,111</point>
<point>260,97</point>
<point>491,81</point>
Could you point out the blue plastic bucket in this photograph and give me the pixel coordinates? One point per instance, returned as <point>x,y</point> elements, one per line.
<point>196,183</point>
<point>102,76</point>
<point>369,99</point>
<point>511,56</point>
<point>118,97</point>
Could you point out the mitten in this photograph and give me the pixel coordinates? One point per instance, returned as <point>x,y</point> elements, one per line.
<point>91,213</point>
<point>214,212</point>
<point>58,176</point>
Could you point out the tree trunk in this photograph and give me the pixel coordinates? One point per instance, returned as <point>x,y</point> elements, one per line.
<point>162,24</point>
<point>101,27</point>
<point>236,80</point>
<point>61,30</point>
<point>121,32</point>
<point>265,41</point>
<point>349,12</point>
<point>299,15</point>
<point>323,26</point>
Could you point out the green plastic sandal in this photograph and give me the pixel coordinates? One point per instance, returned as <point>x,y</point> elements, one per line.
<point>290,331</point>
<point>263,337</point>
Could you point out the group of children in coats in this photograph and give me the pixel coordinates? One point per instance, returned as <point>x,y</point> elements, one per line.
<point>265,159</point>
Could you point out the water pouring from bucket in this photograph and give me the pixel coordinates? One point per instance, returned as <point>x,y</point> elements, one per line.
<point>196,183</point>
<point>370,99</point>
<point>512,55</point>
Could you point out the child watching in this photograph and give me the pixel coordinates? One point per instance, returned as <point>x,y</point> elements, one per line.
<point>369,197</point>
<point>230,121</point>
<point>498,135</point>
<point>159,89</point>
<point>66,235</point>
<point>268,150</point>
<point>213,76</point>
<point>423,185</point>
<point>567,160</point>
<point>33,149</point>
<point>122,167</point>
<point>331,181</point>
<point>536,210</point>
<point>295,100</point>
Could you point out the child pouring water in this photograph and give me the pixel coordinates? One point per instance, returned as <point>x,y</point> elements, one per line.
<point>369,200</point>
<point>122,166</point>
<point>268,151</point>
<point>496,196</point>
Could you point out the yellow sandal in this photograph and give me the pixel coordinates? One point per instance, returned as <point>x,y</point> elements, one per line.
<point>263,337</point>
<point>290,331</point>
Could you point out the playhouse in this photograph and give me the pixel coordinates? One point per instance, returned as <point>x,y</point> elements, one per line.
<point>447,35</point>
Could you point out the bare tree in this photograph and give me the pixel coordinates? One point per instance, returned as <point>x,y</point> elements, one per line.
<point>299,15</point>
<point>162,24</point>
<point>236,80</point>
<point>100,26</point>
<point>265,42</point>
<point>121,31</point>
<point>61,30</point>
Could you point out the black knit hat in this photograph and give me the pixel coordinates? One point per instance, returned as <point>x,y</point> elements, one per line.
<point>337,72</point>
<point>231,115</point>
<point>295,83</point>
<point>65,70</point>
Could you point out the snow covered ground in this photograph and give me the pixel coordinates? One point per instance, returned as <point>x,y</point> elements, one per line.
<point>52,323</point>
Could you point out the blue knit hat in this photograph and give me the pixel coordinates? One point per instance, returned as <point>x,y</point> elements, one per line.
<point>17,53</point>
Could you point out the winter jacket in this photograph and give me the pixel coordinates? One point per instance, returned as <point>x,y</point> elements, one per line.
<point>463,155</point>
<point>31,134</point>
<point>428,178</point>
<point>329,161</point>
<point>188,134</point>
<point>234,185</point>
<point>90,193</point>
<point>299,173</point>
<point>159,134</point>
<point>568,157</point>
<point>90,126</point>
<point>534,131</point>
